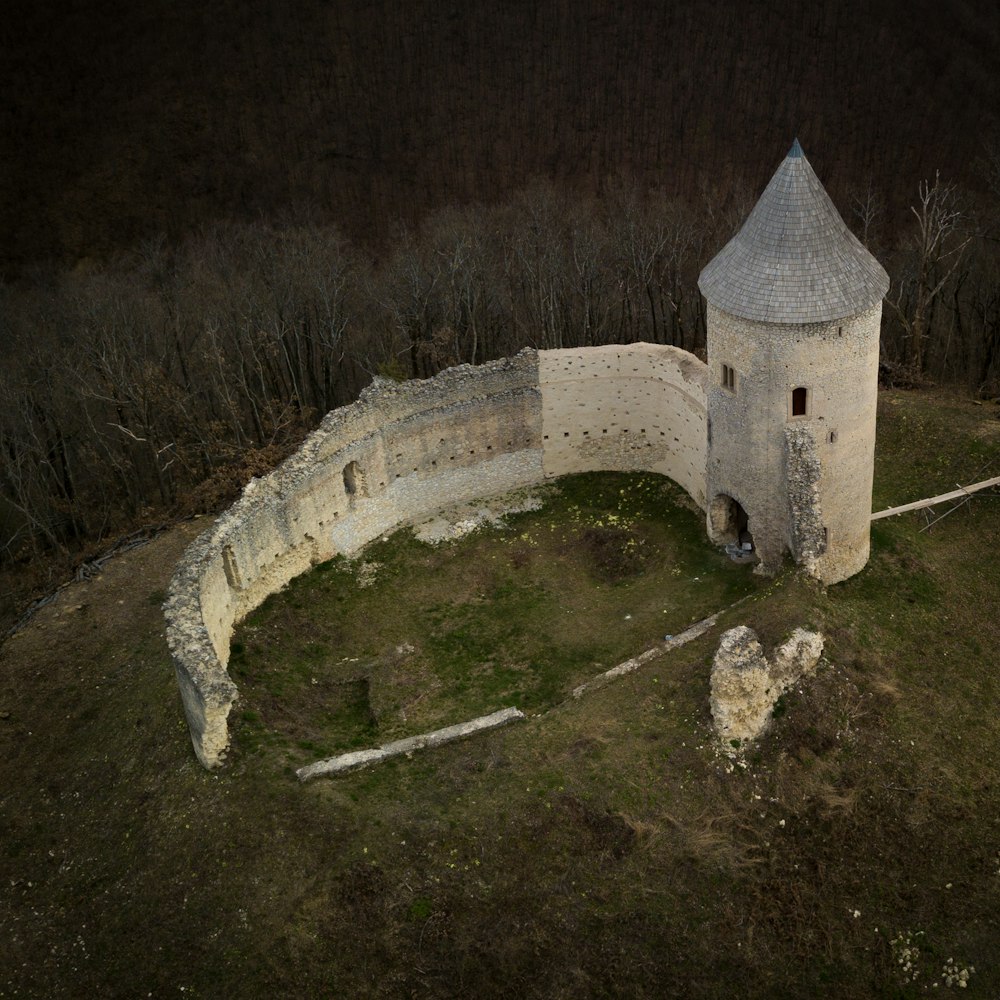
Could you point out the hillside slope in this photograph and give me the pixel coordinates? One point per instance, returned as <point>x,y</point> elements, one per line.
<point>606,848</point>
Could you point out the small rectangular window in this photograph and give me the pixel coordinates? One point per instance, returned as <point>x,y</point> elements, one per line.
<point>729,377</point>
<point>800,398</point>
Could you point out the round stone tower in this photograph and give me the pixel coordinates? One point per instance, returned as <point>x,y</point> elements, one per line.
<point>794,307</point>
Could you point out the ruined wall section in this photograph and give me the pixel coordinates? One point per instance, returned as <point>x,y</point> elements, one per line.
<point>640,407</point>
<point>837,365</point>
<point>805,506</point>
<point>406,450</point>
<point>402,451</point>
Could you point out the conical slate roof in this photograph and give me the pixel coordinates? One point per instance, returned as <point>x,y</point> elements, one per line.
<point>794,260</point>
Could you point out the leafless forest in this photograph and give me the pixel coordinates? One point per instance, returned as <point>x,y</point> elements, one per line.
<point>221,221</point>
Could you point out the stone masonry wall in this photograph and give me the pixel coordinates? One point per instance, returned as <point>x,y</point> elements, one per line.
<point>405,450</point>
<point>837,364</point>
<point>627,408</point>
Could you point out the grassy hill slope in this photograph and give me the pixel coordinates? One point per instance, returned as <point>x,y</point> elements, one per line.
<point>608,848</point>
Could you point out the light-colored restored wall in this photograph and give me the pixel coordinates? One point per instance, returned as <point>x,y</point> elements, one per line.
<point>411,449</point>
<point>640,407</point>
<point>748,455</point>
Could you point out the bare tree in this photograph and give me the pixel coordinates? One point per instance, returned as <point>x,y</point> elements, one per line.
<point>935,253</point>
<point>868,207</point>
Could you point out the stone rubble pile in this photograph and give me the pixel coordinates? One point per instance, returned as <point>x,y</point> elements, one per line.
<point>746,684</point>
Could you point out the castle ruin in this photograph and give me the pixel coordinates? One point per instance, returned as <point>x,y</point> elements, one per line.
<point>773,438</point>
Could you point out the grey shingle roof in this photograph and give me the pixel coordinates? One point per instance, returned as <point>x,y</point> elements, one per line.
<point>794,260</point>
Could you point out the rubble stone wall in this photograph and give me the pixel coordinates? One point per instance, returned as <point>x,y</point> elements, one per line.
<point>805,508</point>
<point>406,450</point>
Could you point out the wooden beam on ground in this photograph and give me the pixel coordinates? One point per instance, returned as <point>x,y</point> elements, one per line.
<point>943,498</point>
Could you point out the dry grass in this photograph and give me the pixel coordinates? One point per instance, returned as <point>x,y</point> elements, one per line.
<point>606,849</point>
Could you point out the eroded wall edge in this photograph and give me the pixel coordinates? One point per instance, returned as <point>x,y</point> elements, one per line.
<point>805,514</point>
<point>405,450</point>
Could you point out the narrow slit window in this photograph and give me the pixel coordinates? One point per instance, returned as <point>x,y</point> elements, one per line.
<point>800,399</point>
<point>729,378</point>
<point>230,568</point>
<point>353,479</point>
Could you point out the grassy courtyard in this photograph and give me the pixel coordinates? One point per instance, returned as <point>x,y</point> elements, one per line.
<point>413,636</point>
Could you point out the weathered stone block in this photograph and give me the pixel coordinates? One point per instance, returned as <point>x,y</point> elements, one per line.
<point>746,685</point>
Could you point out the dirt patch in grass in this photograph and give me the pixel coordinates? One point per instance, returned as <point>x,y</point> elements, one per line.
<point>615,554</point>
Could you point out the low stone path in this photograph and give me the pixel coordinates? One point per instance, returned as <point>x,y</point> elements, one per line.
<point>674,642</point>
<point>362,758</point>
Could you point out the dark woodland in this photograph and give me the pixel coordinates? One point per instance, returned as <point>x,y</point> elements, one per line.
<point>222,220</point>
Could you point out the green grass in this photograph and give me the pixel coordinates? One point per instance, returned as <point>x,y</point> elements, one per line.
<point>606,848</point>
<point>514,615</point>
<point>927,445</point>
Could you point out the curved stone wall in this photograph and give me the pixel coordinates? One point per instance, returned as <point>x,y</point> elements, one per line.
<point>634,408</point>
<point>405,450</point>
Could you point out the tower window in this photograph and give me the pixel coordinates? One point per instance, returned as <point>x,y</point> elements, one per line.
<point>729,378</point>
<point>800,400</point>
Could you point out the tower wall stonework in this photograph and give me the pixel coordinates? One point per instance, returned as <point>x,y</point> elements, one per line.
<point>749,457</point>
<point>406,450</point>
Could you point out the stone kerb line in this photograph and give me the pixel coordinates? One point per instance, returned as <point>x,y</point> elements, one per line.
<point>405,450</point>
<point>342,763</point>
<point>365,758</point>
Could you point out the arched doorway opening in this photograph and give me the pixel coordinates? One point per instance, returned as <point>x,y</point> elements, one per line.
<point>729,524</point>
